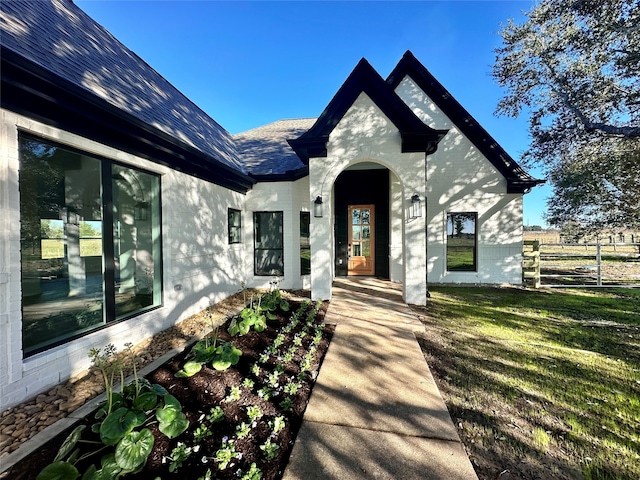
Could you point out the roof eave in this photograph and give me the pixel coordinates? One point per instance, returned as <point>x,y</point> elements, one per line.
<point>518,185</point>
<point>288,176</point>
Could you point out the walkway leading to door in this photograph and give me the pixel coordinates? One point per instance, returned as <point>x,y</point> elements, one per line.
<point>375,411</point>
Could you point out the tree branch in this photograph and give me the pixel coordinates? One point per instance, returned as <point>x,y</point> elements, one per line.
<point>626,131</point>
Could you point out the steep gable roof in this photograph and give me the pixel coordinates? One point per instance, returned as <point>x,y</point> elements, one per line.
<point>266,153</point>
<point>518,181</point>
<point>62,65</point>
<point>416,136</point>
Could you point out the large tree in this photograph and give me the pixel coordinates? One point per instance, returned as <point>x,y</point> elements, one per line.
<point>574,67</point>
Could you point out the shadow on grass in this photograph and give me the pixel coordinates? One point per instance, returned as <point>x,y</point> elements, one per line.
<point>513,363</point>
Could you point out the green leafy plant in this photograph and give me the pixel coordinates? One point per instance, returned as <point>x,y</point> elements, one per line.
<point>225,454</point>
<point>221,355</point>
<point>248,317</point>
<point>273,379</point>
<point>265,393</point>
<point>256,314</point>
<point>254,473</point>
<point>279,340</point>
<point>216,414</point>
<point>292,387</point>
<point>286,404</point>
<point>103,360</point>
<point>287,357</point>
<point>248,383</point>
<point>234,395</point>
<point>206,476</point>
<point>270,449</point>
<point>201,432</point>
<point>273,300</point>
<point>125,441</point>
<point>179,454</point>
<point>254,413</point>
<point>277,425</point>
<point>243,430</point>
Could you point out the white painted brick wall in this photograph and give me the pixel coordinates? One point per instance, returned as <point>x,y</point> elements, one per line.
<point>461,179</point>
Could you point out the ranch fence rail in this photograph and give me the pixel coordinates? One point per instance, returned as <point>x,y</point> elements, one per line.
<point>581,264</point>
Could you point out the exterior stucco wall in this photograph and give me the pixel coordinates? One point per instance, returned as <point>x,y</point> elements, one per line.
<point>290,198</point>
<point>365,134</point>
<point>199,266</point>
<point>461,179</point>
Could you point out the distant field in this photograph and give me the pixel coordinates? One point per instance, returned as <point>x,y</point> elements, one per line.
<point>553,236</point>
<point>544,236</point>
<point>54,248</point>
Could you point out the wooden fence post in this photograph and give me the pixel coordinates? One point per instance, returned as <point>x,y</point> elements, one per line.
<point>531,262</point>
<point>599,263</point>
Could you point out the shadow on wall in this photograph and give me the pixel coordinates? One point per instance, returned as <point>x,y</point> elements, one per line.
<point>201,262</point>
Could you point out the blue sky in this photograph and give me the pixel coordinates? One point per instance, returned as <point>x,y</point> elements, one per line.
<point>248,63</point>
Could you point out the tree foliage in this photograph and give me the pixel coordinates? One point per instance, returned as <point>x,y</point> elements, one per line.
<point>574,66</point>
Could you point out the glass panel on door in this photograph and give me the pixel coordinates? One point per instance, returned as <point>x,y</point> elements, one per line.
<point>361,248</point>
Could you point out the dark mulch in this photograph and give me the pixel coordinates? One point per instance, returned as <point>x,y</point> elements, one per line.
<point>210,388</point>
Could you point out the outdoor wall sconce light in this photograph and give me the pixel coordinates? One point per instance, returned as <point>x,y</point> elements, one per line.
<point>416,206</point>
<point>317,207</point>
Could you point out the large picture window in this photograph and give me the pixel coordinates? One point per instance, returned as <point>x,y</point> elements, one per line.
<point>461,242</point>
<point>268,243</point>
<point>90,242</point>
<point>305,245</point>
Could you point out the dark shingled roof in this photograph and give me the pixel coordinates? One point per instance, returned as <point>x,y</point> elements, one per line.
<point>59,37</point>
<point>265,150</point>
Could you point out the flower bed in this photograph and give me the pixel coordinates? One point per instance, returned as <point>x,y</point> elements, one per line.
<point>240,421</point>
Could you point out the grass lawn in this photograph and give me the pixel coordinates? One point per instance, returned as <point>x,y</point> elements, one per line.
<point>541,384</point>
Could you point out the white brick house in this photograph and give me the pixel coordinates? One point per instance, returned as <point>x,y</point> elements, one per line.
<point>124,208</point>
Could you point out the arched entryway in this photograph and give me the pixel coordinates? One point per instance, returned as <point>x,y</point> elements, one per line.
<point>361,221</point>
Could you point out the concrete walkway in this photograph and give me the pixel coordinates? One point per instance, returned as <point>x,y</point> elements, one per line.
<point>375,411</point>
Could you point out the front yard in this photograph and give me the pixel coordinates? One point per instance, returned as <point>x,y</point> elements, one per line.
<point>541,384</point>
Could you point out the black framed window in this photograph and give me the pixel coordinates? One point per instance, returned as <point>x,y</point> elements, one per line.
<point>462,242</point>
<point>268,243</point>
<point>90,242</point>
<point>235,225</point>
<point>305,245</point>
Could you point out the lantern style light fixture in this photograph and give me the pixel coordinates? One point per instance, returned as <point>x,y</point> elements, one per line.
<point>317,207</point>
<point>416,206</point>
